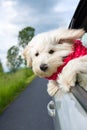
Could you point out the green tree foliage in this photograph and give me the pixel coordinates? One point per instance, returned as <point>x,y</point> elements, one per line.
<point>1,68</point>
<point>13,59</point>
<point>25,35</point>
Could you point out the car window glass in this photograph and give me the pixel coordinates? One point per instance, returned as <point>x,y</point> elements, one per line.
<point>84,39</point>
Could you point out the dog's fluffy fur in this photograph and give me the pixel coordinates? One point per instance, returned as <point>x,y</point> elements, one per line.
<point>61,42</point>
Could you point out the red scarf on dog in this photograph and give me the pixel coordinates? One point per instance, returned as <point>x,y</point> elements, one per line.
<point>78,50</point>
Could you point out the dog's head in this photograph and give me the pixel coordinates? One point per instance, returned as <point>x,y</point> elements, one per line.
<point>46,51</point>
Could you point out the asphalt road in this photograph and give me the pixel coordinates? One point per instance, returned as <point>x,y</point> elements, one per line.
<point>29,110</point>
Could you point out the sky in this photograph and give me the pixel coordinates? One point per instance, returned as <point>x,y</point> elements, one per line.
<point>43,15</point>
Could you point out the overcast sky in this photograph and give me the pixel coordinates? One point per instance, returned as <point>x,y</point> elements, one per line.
<point>43,15</point>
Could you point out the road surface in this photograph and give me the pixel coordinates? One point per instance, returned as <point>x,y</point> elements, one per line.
<point>29,110</point>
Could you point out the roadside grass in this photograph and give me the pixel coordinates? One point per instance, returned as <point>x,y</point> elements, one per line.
<point>12,84</point>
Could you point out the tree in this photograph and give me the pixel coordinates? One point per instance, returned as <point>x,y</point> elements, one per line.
<point>13,59</point>
<point>1,68</point>
<point>25,35</point>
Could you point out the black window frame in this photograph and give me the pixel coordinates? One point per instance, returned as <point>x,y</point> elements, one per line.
<point>79,16</point>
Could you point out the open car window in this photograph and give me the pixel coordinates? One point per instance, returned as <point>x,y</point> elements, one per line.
<point>79,20</point>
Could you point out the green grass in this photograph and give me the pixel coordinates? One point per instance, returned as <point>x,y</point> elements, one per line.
<point>12,84</point>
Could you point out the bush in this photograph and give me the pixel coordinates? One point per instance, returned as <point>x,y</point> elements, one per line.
<point>12,84</point>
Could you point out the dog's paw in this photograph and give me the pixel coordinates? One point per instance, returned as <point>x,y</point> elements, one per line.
<point>65,88</point>
<point>52,90</point>
<point>65,83</point>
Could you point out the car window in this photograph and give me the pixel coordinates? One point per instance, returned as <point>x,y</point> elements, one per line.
<point>79,20</point>
<point>84,39</point>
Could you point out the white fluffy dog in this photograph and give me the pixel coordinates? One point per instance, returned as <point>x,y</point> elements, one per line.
<point>47,51</point>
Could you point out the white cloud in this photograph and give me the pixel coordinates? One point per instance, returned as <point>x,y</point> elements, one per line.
<point>65,10</point>
<point>7,29</point>
<point>67,6</point>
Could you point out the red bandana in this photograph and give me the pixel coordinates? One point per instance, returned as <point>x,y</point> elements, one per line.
<point>79,50</point>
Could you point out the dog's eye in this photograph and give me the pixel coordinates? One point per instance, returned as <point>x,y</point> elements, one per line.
<point>37,54</point>
<point>51,51</point>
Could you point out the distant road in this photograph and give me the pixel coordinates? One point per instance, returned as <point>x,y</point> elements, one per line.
<point>29,110</point>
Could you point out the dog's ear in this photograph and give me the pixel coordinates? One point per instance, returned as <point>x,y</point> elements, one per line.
<point>69,35</point>
<point>27,56</point>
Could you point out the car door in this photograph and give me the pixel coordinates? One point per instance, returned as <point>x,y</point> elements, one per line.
<point>69,111</point>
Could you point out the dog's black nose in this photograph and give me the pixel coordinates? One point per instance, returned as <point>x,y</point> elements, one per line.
<point>43,67</point>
